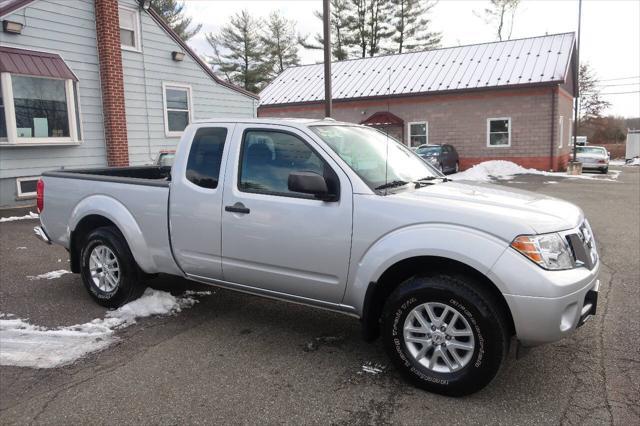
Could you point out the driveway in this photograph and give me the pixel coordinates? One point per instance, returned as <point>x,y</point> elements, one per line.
<point>234,358</point>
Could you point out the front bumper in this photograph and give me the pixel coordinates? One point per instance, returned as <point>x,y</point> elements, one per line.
<point>540,320</point>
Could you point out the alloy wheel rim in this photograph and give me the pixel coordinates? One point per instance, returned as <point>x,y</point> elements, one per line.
<point>104,268</point>
<point>439,337</point>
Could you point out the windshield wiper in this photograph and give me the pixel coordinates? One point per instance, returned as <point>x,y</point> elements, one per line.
<point>392,184</point>
<point>424,180</point>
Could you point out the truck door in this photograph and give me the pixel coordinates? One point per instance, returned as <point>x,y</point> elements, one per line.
<point>275,239</point>
<point>196,200</point>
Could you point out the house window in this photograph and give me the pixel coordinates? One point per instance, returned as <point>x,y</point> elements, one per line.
<point>129,28</point>
<point>560,130</point>
<point>418,133</point>
<point>499,132</point>
<point>177,108</point>
<point>26,187</point>
<point>38,110</point>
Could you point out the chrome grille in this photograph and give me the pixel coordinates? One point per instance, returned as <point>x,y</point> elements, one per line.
<point>584,246</point>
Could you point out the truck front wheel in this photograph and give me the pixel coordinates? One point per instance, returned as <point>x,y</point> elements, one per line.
<point>445,334</point>
<point>108,269</point>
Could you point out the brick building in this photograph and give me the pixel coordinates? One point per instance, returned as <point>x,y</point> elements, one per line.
<point>510,100</point>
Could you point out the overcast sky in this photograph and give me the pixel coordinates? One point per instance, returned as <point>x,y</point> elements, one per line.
<point>610,32</point>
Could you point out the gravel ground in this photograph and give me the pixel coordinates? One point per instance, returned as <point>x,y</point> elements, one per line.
<point>240,359</point>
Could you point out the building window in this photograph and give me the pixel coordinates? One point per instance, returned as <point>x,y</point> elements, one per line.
<point>418,133</point>
<point>499,132</point>
<point>38,110</point>
<point>560,130</point>
<point>129,28</point>
<point>177,108</point>
<point>26,187</point>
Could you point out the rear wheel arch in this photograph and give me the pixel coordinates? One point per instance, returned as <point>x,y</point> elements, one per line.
<point>84,227</point>
<point>378,292</point>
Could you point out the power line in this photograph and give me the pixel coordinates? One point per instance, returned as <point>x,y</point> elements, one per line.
<point>619,84</point>
<point>619,78</point>
<point>619,93</point>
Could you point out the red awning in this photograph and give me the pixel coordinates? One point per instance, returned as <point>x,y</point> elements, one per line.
<point>383,118</point>
<point>35,63</point>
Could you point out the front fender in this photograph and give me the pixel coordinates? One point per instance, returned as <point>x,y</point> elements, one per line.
<point>116,212</point>
<point>472,247</point>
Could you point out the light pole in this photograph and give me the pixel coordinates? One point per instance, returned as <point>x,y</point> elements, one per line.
<point>576,87</point>
<point>326,23</point>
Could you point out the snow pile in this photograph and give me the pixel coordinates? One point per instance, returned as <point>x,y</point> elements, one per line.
<point>500,169</point>
<point>31,215</point>
<point>49,275</point>
<point>27,345</point>
<point>634,162</point>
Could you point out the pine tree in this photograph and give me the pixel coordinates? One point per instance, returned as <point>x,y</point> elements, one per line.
<point>239,52</point>
<point>280,44</point>
<point>341,23</point>
<point>590,105</point>
<point>370,25</point>
<point>411,24</point>
<point>173,14</point>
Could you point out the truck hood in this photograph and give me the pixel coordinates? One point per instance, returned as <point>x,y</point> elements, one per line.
<point>503,211</point>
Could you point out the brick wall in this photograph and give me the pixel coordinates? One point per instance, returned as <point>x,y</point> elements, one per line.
<point>461,120</point>
<point>112,82</point>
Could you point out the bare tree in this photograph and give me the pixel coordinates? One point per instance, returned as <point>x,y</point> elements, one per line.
<point>500,13</point>
<point>370,25</point>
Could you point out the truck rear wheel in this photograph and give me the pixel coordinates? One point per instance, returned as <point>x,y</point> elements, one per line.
<point>445,334</point>
<point>108,269</point>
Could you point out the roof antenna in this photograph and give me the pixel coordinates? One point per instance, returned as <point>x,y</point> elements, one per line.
<point>386,159</point>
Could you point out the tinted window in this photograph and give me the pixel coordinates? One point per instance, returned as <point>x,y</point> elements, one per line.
<point>203,165</point>
<point>269,157</point>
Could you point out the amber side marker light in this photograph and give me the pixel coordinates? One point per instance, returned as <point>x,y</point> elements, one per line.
<point>528,247</point>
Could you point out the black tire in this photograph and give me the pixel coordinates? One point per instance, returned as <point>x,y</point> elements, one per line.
<point>480,310</point>
<point>605,170</point>
<point>129,286</point>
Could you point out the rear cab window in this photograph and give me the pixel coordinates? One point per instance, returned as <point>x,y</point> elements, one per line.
<point>205,156</point>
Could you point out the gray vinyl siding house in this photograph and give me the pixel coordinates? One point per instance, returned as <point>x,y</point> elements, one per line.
<point>68,29</point>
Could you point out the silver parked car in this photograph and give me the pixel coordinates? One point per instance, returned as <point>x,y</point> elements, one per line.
<point>341,217</point>
<point>593,158</point>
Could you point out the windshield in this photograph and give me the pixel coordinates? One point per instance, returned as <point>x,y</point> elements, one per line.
<point>365,151</point>
<point>428,150</point>
<point>590,150</point>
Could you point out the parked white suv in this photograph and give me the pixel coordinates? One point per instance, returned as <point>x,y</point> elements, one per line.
<point>341,217</point>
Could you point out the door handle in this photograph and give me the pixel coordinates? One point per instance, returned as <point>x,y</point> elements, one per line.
<point>237,208</point>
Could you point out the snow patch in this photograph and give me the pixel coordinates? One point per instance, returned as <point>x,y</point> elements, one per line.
<point>21,248</point>
<point>28,345</point>
<point>49,275</point>
<point>506,170</point>
<point>633,162</point>
<point>31,215</point>
<point>373,368</point>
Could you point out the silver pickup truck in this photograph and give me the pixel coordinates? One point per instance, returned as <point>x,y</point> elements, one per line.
<point>341,217</point>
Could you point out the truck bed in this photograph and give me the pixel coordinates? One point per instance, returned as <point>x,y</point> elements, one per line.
<point>136,175</point>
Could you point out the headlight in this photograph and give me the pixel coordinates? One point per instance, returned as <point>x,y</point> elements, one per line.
<point>549,251</point>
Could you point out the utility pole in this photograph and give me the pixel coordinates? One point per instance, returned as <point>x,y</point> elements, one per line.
<point>326,23</point>
<point>576,88</point>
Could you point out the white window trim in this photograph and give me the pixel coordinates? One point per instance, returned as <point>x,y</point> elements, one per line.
<point>24,195</point>
<point>426,126</point>
<point>171,85</point>
<point>561,130</point>
<point>10,116</point>
<point>489,120</point>
<point>136,29</point>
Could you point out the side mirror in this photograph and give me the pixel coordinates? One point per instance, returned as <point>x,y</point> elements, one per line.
<point>310,183</point>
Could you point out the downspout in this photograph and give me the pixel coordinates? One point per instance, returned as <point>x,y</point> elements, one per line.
<point>553,127</point>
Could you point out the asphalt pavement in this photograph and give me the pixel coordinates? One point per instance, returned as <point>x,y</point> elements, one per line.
<point>240,359</point>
